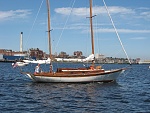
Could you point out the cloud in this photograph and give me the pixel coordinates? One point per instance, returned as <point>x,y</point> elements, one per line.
<point>139,15</point>
<point>145,14</point>
<point>142,13</point>
<point>69,10</point>
<point>118,11</point>
<point>138,38</point>
<point>143,8</point>
<point>96,10</point>
<point>85,28</point>
<point>123,30</point>
<point>5,15</point>
<point>108,30</point>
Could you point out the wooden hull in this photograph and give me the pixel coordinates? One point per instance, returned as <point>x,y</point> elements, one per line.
<point>105,76</point>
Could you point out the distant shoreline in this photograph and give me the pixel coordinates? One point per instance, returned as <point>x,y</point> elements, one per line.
<point>10,61</point>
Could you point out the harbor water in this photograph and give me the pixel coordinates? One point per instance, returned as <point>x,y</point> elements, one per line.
<point>129,94</point>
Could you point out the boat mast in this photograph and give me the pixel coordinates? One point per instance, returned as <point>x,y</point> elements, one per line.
<point>49,38</point>
<point>91,26</point>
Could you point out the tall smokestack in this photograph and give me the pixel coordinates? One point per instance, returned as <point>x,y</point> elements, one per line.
<point>21,42</point>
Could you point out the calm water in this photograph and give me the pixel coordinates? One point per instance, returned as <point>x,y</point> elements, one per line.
<point>130,93</point>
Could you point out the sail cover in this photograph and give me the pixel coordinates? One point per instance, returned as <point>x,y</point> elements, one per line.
<point>89,58</point>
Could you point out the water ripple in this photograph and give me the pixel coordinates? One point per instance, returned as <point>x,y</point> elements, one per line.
<point>130,93</point>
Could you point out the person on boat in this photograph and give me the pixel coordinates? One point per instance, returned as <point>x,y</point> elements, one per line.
<point>37,69</point>
<point>91,67</point>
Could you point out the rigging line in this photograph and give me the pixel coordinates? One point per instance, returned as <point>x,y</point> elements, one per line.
<point>34,21</point>
<point>117,33</point>
<point>64,26</point>
<point>97,36</point>
<point>86,39</point>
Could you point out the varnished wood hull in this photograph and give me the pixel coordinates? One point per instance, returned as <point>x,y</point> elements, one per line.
<point>105,76</point>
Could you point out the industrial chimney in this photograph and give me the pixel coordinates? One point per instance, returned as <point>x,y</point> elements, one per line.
<point>21,42</point>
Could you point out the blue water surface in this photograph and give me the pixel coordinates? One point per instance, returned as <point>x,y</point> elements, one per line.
<point>130,93</point>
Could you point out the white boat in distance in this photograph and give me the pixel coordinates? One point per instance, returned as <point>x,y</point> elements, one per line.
<point>47,61</point>
<point>19,64</point>
<point>75,75</point>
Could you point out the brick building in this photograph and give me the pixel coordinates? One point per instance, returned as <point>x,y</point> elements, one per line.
<point>63,55</point>
<point>36,52</point>
<point>78,54</point>
<point>8,52</point>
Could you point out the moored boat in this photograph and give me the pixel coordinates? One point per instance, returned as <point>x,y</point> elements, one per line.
<point>19,64</point>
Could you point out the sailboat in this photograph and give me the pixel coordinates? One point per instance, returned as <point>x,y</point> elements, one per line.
<point>75,75</point>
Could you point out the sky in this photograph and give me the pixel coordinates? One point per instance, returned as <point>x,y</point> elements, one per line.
<point>70,26</point>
